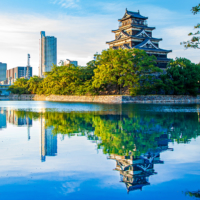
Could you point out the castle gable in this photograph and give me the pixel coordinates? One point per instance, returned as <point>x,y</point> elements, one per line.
<point>143,33</point>
<point>147,44</point>
<point>122,35</point>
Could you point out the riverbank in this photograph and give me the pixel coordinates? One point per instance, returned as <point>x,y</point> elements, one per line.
<point>110,99</point>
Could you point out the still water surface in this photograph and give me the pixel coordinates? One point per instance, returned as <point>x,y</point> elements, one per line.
<point>53,150</point>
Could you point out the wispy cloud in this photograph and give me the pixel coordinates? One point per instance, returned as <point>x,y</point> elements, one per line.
<point>66,3</point>
<point>79,37</point>
<point>77,40</point>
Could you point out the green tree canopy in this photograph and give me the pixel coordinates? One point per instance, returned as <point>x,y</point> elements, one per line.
<point>124,68</point>
<point>182,77</point>
<point>20,87</point>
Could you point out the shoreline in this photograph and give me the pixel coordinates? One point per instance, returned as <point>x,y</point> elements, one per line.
<point>109,99</point>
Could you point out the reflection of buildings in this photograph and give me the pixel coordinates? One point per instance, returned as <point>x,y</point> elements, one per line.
<point>13,118</point>
<point>48,142</point>
<point>24,121</point>
<point>2,119</point>
<point>135,171</point>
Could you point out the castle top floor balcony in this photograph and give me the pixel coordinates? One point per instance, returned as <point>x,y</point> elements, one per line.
<point>133,22</point>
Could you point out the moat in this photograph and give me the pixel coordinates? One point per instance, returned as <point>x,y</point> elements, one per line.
<point>54,150</point>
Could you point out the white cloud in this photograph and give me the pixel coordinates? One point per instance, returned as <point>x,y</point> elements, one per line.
<point>173,37</point>
<point>79,37</point>
<point>66,3</point>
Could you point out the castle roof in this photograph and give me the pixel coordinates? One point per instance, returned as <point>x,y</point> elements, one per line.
<point>152,47</point>
<point>130,14</point>
<point>134,26</point>
<point>135,37</point>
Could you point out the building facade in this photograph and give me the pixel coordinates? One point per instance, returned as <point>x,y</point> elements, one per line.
<point>134,32</point>
<point>48,53</point>
<point>72,62</point>
<point>3,69</point>
<point>18,72</point>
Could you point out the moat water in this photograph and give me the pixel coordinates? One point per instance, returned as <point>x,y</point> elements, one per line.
<point>52,150</point>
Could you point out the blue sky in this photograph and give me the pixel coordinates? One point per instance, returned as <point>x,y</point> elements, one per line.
<point>83,26</point>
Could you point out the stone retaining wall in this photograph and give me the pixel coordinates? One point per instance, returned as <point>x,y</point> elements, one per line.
<point>161,99</point>
<point>65,98</point>
<point>111,99</point>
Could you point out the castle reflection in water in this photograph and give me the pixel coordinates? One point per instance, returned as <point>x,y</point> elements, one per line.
<point>134,140</point>
<point>135,171</point>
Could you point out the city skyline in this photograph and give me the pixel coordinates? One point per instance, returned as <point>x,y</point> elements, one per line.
<point>83,29</point>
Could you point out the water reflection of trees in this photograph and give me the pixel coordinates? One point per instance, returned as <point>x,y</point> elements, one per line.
<point>131,133</point>
<point>134,139</point>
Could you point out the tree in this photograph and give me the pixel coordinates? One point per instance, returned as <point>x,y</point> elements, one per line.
<point>195,41</point>
<point>61,63</point>
<point>124,68</point>
<point>182,77</point>
<point>20,86</point>
<point>34,84</point>
<point>68,80</point>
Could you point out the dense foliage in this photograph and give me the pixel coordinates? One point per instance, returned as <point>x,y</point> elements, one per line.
<point>116,72</point>
<point>124,68</point>
<point>182,77</point>
<point>113,68</point>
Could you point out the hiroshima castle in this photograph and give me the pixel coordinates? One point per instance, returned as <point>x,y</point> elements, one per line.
<point>134,32</point>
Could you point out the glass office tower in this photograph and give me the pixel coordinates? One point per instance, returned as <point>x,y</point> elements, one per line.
<point>3,69</point>
<point>48,53</point>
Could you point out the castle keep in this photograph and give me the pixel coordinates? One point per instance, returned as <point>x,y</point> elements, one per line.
<point>134,32</point>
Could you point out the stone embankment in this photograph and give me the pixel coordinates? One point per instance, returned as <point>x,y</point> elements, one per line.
<point>111,99</point>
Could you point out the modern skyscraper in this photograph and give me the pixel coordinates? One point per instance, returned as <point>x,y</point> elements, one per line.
<point>48,53</point>
<point>3,69</point>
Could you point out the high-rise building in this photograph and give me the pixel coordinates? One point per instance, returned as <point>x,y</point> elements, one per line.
<point>18,72</point>
<point>72,62</point>
<point>13,118</point>
<point>3,68</point>
<point>48,53</point>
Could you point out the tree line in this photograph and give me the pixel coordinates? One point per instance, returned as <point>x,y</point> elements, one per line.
<point>116,72</point>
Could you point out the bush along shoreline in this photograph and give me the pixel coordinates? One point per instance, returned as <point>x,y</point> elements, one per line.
<point>116,72</point>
